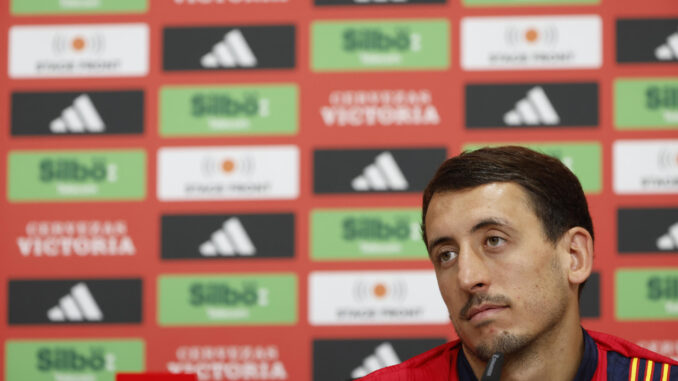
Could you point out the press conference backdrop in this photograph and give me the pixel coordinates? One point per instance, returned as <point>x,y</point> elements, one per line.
<point>232,187</point>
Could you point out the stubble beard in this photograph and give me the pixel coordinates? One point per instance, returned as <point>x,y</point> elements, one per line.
<point>514,345</point>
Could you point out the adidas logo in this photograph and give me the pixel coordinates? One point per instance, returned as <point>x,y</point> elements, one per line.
<point>230,240</point>
<point>82,116</point>
<point>669,241</point>
<point>384,174</point>
<point>383,356</point>
<point>79,305</point>
<point>669,50</point>
<point>535,109</point>
<point>233,51</point>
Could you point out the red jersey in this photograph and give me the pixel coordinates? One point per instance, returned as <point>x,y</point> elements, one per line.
<point>605,358</point>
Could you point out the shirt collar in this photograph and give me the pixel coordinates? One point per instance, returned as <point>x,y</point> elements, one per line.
<point>587,367</point>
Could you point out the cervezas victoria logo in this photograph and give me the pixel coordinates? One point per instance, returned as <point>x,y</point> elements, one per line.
<point>367,108</point>
<point>530,105</point>
<point>651,40</point>
<point>76,238</point>
<point>78,113</point>
<point>354,358</point>
<point>544,42</point>
<point>230,362</point>
<point>78,50</point>
<point>228,48</point>
<point>84,301</point>
<point>227,236</point>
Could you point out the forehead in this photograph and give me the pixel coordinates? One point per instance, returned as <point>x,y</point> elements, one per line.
<point>464,208</point>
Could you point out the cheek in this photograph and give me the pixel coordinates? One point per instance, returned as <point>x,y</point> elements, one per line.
<point>448,291</point>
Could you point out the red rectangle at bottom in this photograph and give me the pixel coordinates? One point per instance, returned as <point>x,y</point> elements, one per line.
<point>155,377</point>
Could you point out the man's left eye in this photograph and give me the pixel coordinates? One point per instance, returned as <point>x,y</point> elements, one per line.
<point>495,241</point>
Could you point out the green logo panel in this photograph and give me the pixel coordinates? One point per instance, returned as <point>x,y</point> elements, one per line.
<point>227,299</point>
<point>28,7</point>
<point>646,103</point>
<point>92,360</point>
<point>229,110</point>
<point>471,3</point>
<point>647,294</point>
<point>380,45</point>
<point>367,234</point>
<point>76,175</point>
<point>583,159</point>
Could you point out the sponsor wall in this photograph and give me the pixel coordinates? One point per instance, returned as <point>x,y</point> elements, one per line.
<point>232,187</point>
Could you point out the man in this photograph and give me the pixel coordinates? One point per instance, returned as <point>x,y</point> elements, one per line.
<point>511,240</point>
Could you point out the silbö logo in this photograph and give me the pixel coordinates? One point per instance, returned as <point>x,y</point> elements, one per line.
<point>227,112</point>
<point>377,47</point>
<point>223,301</point>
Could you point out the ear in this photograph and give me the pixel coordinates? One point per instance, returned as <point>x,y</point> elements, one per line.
<point>579,246</point>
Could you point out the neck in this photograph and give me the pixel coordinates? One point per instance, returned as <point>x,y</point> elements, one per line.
<point>553,355</point>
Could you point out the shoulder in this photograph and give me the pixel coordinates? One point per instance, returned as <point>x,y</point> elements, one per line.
<point>430,365</point>
<point>628,361</point>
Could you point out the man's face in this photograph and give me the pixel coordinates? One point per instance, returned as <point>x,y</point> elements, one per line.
<point>503,282</point>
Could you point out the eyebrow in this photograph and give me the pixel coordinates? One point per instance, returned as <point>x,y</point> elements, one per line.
<point>492,221</point>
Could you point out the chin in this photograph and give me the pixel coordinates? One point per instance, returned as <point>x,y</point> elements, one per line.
<point>504,342</point>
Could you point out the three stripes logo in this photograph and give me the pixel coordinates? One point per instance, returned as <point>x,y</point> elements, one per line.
<point>535,109</point>
<point>384,174</point>
<point>384,355</point>
<point>78,113</point>
<point>81,117</point>
<point>228,236</point>
<point>230,240</point>
<point>75,301</point>
<point>375,170</point>
<point>669,241</point>
<point>647,40</point>
<point>229,48</point>
<point>647,230</point>
<point>79,305</point>
<point>355,358</point>
<point>669,50</point>
<point>232,51</point>
<point>532,105</point>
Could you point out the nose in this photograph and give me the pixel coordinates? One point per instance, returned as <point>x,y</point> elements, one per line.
<point>473,274</point>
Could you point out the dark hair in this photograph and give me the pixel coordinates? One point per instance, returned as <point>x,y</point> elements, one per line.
<point>555,193</point>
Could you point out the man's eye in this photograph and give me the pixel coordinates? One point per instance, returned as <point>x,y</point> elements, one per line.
<point>495,241</point>
<point>447,256</point>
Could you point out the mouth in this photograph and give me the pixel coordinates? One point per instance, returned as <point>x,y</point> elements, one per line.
<point>484,311</point>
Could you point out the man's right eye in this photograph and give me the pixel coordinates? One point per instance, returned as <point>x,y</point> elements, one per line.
<point>447,256</point>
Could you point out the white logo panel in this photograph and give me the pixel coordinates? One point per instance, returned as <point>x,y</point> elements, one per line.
<point>57,51</point>
<point>228,173</point>
<point>646,166</point>
<point>515,43</point>
<point>377,297</point>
